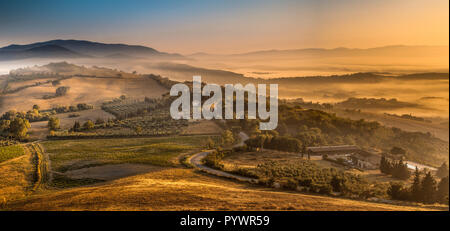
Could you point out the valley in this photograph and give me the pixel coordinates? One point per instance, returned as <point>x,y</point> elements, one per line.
<point>112,144</point>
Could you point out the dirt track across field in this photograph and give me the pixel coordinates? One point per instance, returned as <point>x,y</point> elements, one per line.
<point>196,161</point>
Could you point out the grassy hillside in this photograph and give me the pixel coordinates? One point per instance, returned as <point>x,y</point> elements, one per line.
<point>10,152</point>
<point>15,178</point>
<point>315,127</point>
<point>76,154</point>
<point>183,189</point>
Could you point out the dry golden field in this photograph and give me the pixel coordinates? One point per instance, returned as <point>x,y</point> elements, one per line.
<point>185,189</point>
<point>82,90</point>
<point>15,177</point>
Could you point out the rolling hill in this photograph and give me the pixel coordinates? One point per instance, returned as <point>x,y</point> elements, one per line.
<point>78,49</point>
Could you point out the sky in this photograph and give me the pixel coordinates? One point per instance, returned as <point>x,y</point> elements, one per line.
<point>232,26</point>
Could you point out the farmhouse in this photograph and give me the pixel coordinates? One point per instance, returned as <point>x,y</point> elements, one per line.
<point>350,154</point>
<point>366,160</point>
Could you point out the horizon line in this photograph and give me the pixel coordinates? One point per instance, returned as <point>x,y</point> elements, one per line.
<point>234,53</point>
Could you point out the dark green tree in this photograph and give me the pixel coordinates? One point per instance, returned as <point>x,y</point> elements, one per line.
<point>385,165</point>
<point>442,192</point>
<point>76,126</point>
<point>397,191</point>
<point>337,183</point>
<point>416,187</point>
<point>428,189</point>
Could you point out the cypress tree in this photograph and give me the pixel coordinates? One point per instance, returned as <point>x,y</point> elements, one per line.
<point>442,193</point>
<point>442,171</point>
<point>76,126</point>
<point>383,163</point>
<point>428,189</point>
<point>416,192</point>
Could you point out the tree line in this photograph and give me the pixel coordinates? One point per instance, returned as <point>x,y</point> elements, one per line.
<point>397,169</point>
<point>424,189</point>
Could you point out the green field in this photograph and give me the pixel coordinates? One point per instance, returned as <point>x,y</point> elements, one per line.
<point>10,152</point>
<point>68,155</point>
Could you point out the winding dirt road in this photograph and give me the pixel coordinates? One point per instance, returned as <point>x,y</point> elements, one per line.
<point>196,161</point>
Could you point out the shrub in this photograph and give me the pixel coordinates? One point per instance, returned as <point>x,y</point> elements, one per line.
<point>88,125</point>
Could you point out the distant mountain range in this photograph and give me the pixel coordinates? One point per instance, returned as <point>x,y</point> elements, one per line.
<point>80,49</point>
<point>395,50</point>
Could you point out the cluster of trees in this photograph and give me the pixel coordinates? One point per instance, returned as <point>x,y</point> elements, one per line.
<point>36,115</point>
<point>397,169</point>
<point>214,158</point>
<point>60,91</point>
<point>226,139</point>
<point>87,126</point>
<point>78,107</point>
<point>33,115</point>
<point>423,189</point>
<point>14,126</point>
<point>90,125</point>
<point>53,124</point>
<point>275,142</point>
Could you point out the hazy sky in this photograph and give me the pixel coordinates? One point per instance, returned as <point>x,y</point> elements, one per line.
<point>230,26</point>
